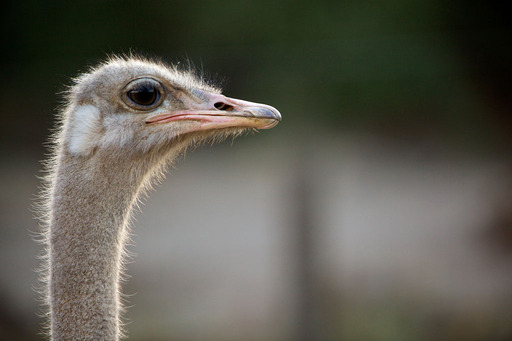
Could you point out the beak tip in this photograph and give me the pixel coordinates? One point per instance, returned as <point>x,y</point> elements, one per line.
<point>269,112</point>
<point>277,115</point>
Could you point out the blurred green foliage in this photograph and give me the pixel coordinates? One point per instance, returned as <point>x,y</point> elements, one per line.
<point>427,69</point>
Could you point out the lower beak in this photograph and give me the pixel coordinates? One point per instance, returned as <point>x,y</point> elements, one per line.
<point>214,111</point>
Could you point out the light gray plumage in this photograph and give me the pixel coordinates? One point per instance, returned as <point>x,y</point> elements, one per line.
<point>123,122</point>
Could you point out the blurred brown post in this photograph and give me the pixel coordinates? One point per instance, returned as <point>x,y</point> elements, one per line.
<point>306,328</point>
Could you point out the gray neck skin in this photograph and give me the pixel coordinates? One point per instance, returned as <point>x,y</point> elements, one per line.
<point>90,207</point>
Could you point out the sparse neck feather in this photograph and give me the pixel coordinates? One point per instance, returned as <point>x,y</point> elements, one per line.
<point>90,208</point>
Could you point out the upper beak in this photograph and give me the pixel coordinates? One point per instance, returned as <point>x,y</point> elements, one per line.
<point>213,111</point>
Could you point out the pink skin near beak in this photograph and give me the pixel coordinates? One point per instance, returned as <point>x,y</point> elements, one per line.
<point>214,111</point>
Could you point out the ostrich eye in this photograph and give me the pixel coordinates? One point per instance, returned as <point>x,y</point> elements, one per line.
<point>144,94</point>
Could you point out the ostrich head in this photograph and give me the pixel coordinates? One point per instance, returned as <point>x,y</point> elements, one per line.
<point>123,122</point>
<point>135,107</point>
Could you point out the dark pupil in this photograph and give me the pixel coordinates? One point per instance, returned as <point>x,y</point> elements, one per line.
<point>143,94</point>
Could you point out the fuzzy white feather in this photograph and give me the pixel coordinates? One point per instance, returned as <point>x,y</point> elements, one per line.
<point>85,130</point>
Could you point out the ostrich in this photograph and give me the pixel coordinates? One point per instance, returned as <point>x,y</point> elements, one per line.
<point>123,123</point>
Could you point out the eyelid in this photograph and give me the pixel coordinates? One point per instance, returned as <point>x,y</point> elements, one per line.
<point>137,82</point>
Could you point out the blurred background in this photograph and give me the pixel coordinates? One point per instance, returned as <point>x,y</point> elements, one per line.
<point>380,208</point>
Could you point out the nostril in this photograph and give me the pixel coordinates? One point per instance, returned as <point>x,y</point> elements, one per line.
<point>223,106</point>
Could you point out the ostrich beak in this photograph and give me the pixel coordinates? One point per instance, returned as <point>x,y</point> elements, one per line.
<point>214,111</point>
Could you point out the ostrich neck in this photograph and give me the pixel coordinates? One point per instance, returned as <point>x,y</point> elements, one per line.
<point>90,205</point>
